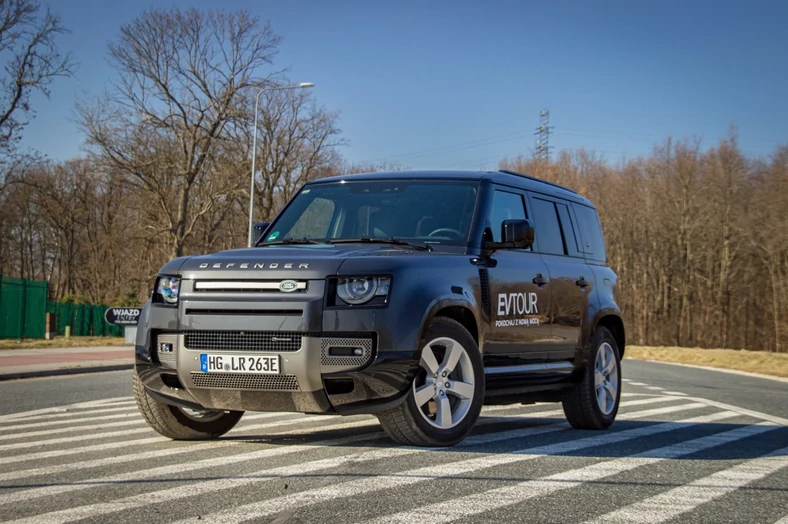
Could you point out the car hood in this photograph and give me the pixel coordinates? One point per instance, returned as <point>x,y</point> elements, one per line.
<point>286,262</point>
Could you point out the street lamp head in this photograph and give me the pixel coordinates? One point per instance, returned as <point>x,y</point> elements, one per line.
<point>304,85</point>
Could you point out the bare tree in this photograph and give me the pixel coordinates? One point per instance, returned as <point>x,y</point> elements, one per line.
<point>182,74</point>
<point>33,61</point>
<point>298,141</point>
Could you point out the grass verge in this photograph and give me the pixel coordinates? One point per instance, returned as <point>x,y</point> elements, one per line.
<point>764,362</point>
<point>62,342</point>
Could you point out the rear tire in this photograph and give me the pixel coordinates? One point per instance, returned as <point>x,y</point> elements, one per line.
<point>446,396</point>
<point>182,424</point>
<point>593,403</point>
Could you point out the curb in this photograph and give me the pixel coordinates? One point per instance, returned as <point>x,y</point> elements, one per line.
<point>63,372</point>
<point>710,368</point>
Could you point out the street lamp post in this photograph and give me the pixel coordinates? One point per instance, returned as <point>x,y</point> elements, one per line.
<point>302,85</point>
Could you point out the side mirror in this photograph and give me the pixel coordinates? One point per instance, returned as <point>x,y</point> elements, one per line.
<point>517,232</point>
<point>259,230</point>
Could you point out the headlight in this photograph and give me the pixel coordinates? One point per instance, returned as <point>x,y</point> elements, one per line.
<point>360,290</point>
<point>168,289</point>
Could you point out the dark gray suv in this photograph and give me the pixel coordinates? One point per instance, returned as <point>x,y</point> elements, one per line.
<point>414,296</point>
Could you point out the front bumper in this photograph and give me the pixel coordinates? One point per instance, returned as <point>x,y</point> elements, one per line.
<point>312,379</point>
<point>299,330</point>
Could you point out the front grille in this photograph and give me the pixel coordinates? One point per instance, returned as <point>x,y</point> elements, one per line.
<point>242,381</point>
<point>280,341</point>
<point>345,360</point>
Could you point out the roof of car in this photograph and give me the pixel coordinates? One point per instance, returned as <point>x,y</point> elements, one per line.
<point>504,177</point>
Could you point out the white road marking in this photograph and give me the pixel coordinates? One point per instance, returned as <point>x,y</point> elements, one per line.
<point>260,476</point>
<point>295,418</point>
<point>84,449</point>
<point>72,429</point>
<point>655,388</point>
<point>58,410</point>
<point>301,499</point>
<point>755,414</point>
<point>637,384</point>
<point>485,501</point>
<point>783,520</point>
<point>49,424</point>
<point>676,393</point>
<point>55,418</point>
<point>165,470</point>
<point>682,499</point>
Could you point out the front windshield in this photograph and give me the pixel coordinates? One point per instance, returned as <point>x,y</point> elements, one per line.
<point>427,212</point>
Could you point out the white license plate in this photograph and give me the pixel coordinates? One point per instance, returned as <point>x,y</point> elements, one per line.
<point>257,364</point>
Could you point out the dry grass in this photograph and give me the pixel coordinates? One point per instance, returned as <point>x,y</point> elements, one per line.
<point>62,342</point>
<point>775,364</point>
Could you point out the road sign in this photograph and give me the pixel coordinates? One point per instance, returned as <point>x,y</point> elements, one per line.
<point>122,316</point>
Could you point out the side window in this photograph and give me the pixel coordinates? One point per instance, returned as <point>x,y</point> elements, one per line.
<point>315,220</point>
<point>573,246</point>
<point>505,206</point>
<point>593,243</point>
<point>547,229</point>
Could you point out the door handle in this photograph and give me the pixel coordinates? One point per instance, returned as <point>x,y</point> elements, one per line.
<point>582,282</point>
<point>539,280</point>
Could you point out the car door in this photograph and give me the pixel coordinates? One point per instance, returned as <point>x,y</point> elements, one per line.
<point>519,294</point>
<point>570,276</point>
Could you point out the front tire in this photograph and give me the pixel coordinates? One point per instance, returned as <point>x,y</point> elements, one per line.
<point>593,403</point>
<point>447,393</point>
<point>182,424</point>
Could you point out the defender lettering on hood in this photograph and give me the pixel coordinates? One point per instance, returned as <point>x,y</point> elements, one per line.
<point>253,265</point>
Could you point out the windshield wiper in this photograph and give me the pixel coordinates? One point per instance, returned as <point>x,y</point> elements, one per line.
<point>371,240</point>
<point>290,241</point>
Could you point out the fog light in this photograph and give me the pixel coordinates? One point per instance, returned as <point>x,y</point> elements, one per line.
<point>165,347</point>
<point>358,352</point>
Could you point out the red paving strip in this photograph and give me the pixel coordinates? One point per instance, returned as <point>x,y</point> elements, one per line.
<point>31,360</point>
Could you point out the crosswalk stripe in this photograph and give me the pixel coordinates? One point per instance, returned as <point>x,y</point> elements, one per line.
<point>178,468</point>
<point>71,429</point>
<point>78,450</point>
<point>479,439</point>
<point>241,429</point>
<point>489,500</point>
<point>144,499</point>
<point>61,410</point>
<point>64,417</point>
<point>783,520</point>
<point>383,482</point>
<point>128,413</point>
<point>682,499</point>
<point>294,419</point>
<point>749,412</point>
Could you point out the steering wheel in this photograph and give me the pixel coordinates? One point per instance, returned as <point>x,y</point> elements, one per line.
<point>458,234</point>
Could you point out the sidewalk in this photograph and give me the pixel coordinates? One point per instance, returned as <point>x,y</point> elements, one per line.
<point>26,363</point>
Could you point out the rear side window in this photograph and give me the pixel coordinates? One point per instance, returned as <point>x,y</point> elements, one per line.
<point>571,241</point>
<point>546,227</point>
<point>593,243</point>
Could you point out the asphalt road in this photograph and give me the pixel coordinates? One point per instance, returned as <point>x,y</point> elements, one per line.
<point>689,446</point>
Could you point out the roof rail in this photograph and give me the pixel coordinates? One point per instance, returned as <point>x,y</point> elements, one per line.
<point>515,173</point>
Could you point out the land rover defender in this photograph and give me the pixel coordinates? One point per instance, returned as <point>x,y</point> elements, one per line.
<point>414,296</point>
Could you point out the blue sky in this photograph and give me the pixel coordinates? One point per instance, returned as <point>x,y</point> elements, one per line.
<point>442,84</point>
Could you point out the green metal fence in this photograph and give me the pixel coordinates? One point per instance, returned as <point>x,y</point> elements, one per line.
<point>23,309</point>
<point>84,319</point>
<point>23,306</point>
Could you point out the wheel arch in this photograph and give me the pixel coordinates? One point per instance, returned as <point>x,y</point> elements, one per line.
<point>613,323</point>
<point>457,310</point>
